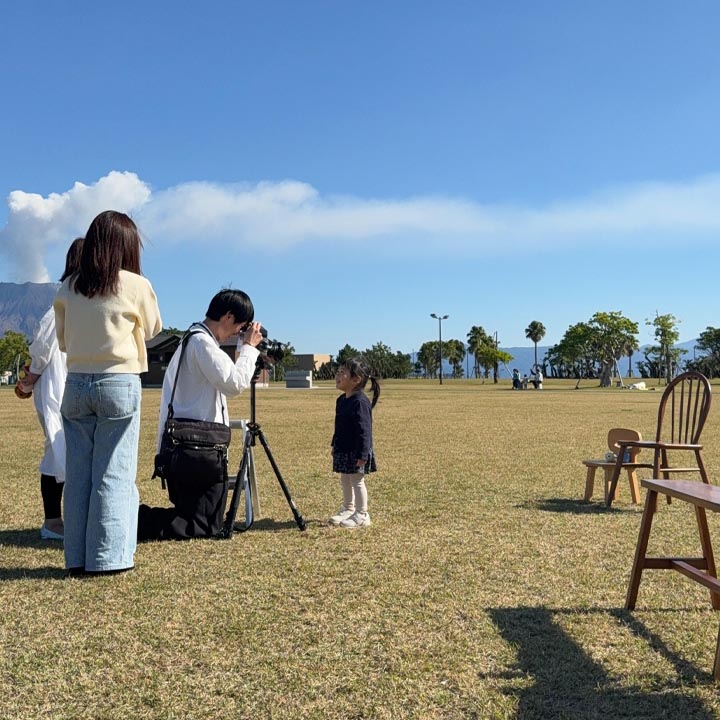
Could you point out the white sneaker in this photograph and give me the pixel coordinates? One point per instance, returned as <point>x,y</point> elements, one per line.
<point>342,515</point>
<point>48,534</point>
<point>356,520</point>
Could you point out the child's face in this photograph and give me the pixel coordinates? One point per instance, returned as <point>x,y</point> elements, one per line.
<point>344,381</point>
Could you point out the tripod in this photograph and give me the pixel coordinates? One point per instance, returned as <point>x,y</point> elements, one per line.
<point>252,434</point>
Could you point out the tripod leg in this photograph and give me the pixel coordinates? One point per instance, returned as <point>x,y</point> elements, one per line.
<point>296,514</point>
<point>240,483</point>
<point>252,481</point>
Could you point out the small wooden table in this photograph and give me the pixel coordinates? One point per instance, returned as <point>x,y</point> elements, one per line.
<point>700,569</point>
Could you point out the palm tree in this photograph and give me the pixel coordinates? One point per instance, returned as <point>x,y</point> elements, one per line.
<point>535,331</point>
<point>477,338</point>
<point>454,354</point>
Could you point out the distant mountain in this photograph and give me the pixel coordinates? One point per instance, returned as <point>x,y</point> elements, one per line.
<point>22,306</point>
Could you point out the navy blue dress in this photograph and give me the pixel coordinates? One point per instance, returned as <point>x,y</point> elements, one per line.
<point>353,434</point>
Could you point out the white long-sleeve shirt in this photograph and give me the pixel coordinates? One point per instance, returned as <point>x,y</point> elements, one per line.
<point>48,362</point>
<point>207,375</point>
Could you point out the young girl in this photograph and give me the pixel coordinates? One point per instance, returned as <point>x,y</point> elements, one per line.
<point>352,445</point>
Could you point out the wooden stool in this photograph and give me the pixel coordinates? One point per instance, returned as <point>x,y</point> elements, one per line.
<point>608,467</point>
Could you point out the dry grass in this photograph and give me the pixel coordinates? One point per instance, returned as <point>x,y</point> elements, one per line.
<point>485,588</point>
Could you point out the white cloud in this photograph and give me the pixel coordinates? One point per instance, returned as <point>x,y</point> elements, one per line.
<point>36,223</point>
<point>276,216</point>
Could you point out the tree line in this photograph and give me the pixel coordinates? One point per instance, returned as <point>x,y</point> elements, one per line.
<point>590,349</point>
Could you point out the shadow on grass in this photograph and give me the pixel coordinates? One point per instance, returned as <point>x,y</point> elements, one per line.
<point>687,671</point>
<point>270,525</point>
<point>576,507</point>
<point>41,573</point>
<point>555,678</point>
<point>27,538</point>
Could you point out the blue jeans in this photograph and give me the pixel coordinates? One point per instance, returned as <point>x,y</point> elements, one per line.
<point>101,418</point>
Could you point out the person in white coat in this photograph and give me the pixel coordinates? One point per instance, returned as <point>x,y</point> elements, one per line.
<point>46,380</point>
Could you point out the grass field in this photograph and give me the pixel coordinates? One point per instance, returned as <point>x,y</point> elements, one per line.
<point>485,588</point>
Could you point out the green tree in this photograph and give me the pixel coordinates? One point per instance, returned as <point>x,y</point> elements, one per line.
<point>574,355</point>
<point>535,332</point>
<point>428,355</point>
<point>380,358</point>
<point>454,353</point>
<point>709,343</point>
<point>612,333</point>
<point>287,362</point>
<point>490,356</point>
<point>403,365</point>
<point>477,338</point>
<point>326,371</point>
<point>12,345</point>
<point>345,353</point>
<point>386,363</point>
<point>666,335</point>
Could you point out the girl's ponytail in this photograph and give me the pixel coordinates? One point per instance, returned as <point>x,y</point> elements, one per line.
<point>375,387</point>
<point>359,368</point>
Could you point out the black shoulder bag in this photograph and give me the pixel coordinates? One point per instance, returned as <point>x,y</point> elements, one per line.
<point>192,464</point>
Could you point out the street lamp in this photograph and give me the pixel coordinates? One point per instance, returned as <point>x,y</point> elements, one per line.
<point>440,318</point>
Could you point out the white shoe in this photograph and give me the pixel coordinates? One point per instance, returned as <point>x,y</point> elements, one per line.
<point>342,515</point>
<point>47,534</point>
<point>356,520</point>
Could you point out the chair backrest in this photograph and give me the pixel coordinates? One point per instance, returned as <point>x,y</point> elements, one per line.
<point>617,434</point>
<point>684,408</point>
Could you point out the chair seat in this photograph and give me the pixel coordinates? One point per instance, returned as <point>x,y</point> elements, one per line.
<point>612,463</point>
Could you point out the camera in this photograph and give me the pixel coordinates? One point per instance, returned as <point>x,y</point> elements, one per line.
<point>271,351</point>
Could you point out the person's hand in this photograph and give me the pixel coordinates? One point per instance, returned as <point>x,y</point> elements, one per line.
<point>252,335</point>
<point>361,462</point>
<point>30,378</point>
<point>23,391</point>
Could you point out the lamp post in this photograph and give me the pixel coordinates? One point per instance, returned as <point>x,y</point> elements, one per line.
<point>440,318</point>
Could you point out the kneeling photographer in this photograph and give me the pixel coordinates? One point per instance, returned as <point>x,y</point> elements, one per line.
<point>193,430</point>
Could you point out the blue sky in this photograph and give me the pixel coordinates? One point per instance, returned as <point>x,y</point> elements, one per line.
<point>357,166</point>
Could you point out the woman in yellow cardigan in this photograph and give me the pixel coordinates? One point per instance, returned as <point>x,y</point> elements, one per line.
<point>104,313</point>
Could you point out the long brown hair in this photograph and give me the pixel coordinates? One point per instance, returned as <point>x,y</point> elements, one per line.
<point>112,243</point>
<point>72,259</point>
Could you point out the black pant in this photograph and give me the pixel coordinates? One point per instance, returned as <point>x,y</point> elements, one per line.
<point>51,491</point>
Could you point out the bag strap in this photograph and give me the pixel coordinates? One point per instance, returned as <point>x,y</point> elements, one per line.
<point>186,337</point>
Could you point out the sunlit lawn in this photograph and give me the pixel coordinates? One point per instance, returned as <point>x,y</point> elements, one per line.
<point>485,587</point>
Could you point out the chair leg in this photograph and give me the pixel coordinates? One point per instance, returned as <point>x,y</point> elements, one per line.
<point>634,489</point>
<point>707,551</point>
<point>589,482</point>
<point>641,549</point>
<point>666,475</point>
<point>608,473</point>
<point>610,495</point>
<point>716,664</point>
<point>701,467</point>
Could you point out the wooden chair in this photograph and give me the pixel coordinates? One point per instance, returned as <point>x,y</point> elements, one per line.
<point>613,440</point>
<point>684,408</point>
